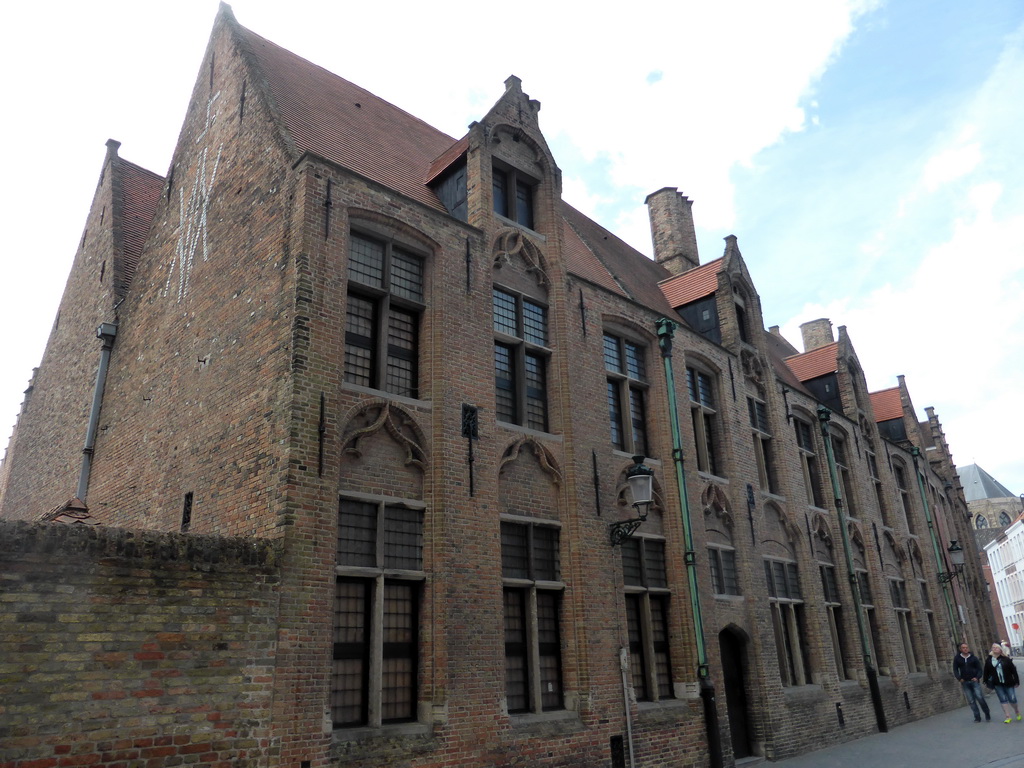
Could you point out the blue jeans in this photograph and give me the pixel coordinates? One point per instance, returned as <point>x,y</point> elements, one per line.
<point>1006,694</point>
<point>972,690</point>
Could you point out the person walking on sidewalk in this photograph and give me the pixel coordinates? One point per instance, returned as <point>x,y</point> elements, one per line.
<point>967,669</point>
<point>1001,674</point>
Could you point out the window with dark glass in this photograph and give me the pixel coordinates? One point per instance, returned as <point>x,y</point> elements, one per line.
<point>758,413</point>
<point>532,605</point>
<point>843,473</point>
<point>513,195</point>
<point>898,590</point>
<point>382,317</point>
<point>704,415</point>
<point>788,627</point>
<point>874,630</point>
<point>627,389</point>
<point>834,612</point>
<point>723,571</point>
<point>901,487</point>
<point>376,613</point>
<point>520,360</point>
<point>644,575</point>
<point>809,462</point>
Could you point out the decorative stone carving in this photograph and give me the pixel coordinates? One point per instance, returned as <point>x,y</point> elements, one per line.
<point>398,424</point>
<point>510,243</point>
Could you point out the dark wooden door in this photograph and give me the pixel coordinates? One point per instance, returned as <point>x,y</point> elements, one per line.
<point>734,651</point>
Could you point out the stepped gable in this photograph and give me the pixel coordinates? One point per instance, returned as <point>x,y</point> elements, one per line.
<point>142,190</point>
<point>887,404</point>
<point>818,362</point>
<point>683,289</point>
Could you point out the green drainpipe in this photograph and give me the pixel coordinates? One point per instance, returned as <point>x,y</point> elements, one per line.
<point>824,415</point>
<point>666,328</point>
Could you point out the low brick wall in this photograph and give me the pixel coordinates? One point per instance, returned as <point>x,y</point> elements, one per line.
<point>134,648</point>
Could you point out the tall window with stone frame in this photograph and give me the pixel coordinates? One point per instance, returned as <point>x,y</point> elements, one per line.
<point>704,415</point>
<point>647,601</point>
<point>763,450</point>
<point>382,316</point>
<point>876,482</point>
<point>512,193</point>
<point>901,486</point>
<point>834,612</point>
<point>938,644</point>
<point>626,371</point>
<point>898,589</point>
<point>722,561</point>
<point>379,578</point>
<point>533,597</point>
<point>520,359</point>
<point>809,462</point>
<point>874,630</point>
<point>788,622</point>
<point>846,484</point>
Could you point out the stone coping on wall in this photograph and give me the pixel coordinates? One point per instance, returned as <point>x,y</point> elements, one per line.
<point>136,545</point>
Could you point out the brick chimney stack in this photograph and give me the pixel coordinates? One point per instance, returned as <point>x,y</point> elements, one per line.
<point>816,333</point>
<point>675,240</point>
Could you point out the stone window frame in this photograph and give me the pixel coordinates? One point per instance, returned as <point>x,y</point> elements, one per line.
<point>844,471</point>
<point>370,561</point>
<point>767,469</point>
<point>807,449</point>
<point>647,601</point>
<point>524,349</point>
<point>900,473</point>
<point>904,620</point>
<point>724,575</point>
<point>517,201</point>
<point>704,417</point>
<point>789,627</point>
<point>531,600</point>
<point>387,302</point>
<point>837,630</point>
<point>627,390</point>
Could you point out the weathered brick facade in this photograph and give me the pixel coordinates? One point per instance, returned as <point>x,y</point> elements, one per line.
<point>276,378</point>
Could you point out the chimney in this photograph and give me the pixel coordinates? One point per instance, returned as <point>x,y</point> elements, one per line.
<point>675,241</point>
<point>816,333</point>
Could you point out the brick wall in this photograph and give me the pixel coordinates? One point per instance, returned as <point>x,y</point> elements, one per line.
<point>129,648</point>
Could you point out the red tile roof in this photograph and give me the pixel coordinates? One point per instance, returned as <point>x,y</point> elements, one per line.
<point>334,119</point>
<point>142,190</point>
<point>817,362</point>
<point>682,289</point>
<point>887,404</point>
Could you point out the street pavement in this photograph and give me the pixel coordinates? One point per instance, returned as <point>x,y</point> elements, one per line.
<point>949,740</point>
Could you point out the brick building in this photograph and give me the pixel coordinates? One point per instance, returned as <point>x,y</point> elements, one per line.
<point>356,361</point>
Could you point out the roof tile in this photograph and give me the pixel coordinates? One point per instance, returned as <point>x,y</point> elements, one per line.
<point>887,404</point>
<point>817,362</point>
<point>683,289</point>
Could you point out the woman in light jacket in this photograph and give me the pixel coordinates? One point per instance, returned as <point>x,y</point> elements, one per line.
<point>1001,674</point>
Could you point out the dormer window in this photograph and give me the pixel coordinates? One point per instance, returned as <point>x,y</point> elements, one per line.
<point>513,195</point>
<point>741,316</point>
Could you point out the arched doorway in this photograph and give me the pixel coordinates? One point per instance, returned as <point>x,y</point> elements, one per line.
<point>733,647</point>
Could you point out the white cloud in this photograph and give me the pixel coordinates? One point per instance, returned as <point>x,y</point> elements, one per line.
<point>951,164</point>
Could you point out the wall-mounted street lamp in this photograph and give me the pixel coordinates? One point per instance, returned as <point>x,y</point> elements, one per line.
<point>956,561</point>
<point>640,479</point>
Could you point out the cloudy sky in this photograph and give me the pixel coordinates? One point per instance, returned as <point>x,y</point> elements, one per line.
<point>867,153</point>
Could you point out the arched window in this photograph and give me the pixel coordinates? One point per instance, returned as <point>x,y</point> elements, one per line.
<point>980,521</point>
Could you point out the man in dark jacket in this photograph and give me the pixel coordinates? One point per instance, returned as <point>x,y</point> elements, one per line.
<point>967,669</point>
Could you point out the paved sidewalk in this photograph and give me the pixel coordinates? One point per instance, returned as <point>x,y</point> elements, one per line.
<point>949,740</point>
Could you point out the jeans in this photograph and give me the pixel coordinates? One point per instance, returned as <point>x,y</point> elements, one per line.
<point>972,690</point>
<point>1006,694</point>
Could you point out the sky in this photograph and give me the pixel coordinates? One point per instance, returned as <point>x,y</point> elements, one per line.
<point>866,153</point>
